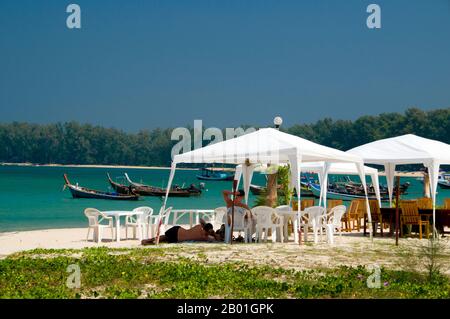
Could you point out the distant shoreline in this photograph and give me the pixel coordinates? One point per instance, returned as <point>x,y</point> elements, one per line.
<point>92,166</point>
<point>401,174</point>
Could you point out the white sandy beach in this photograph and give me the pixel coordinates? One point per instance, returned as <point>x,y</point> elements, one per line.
<point>11,242</point>
<point>351,249</point>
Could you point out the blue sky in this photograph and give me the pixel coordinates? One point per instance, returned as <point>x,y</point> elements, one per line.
<point>146,64</point>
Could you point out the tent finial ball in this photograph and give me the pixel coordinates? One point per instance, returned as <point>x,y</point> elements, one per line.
<point>277,121</point>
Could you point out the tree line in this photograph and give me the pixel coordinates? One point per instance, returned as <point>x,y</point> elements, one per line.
<point>74,143</point>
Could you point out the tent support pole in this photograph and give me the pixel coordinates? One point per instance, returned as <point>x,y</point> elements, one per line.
<point>397,210</point>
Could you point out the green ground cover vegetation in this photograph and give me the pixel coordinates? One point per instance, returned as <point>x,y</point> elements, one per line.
<point>143,273</point>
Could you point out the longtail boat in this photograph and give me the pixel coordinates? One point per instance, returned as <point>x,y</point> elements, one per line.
<point>347,194</point>
<point>176,191</point>
<point>305,191</point>
<point>83,192</point>
<point>120,188</point>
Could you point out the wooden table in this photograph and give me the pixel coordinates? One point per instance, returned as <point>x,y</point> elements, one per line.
<point>442,217</point>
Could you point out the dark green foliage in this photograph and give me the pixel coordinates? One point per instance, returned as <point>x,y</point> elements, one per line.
<point>115,273</point>
<point>345,135</point>
<point>284,180</point>
<point>73,143</point>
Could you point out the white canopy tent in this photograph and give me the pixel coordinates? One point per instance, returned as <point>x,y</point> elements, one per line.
<point>266,146</point>
<point>406,149</point>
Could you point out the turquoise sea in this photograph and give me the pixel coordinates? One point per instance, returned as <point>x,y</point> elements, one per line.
<point>31,197</point>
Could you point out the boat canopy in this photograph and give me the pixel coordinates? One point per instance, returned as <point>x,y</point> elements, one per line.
<point>406,149</point>
<point>268,146</point>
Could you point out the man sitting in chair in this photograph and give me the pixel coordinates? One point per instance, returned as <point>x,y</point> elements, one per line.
<point>240,207</point>
<point>238,197</point>
<point>202,232</point>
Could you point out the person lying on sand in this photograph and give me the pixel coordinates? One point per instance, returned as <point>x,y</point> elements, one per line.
<point>202,232</point>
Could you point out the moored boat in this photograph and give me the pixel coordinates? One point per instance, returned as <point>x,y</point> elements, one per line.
<point>176,191</point>
<point>211,175</point>
<point>120,188</point>
<point>444,181</point>
<point>342,193</point>
<point>256,189</point>
<point>305,191</point>
<point>353,186</point>
<point>142,189</point>
<point>83,192</point>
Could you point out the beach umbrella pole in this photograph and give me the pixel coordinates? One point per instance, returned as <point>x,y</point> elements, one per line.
<point>397,208</point>
<point>232,211</point>
<point>158,231</point>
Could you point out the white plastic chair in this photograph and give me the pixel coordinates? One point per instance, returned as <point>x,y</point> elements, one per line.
<point>139,222</point>
<point>335,221</point>
<point>220,214</point>
<point>267,218</point>
<point>315,219</point>
<point>284,207</point>
<point>240,223</point>
<point>95,217</point>
<point>152,222</point>
<point>155,219</point>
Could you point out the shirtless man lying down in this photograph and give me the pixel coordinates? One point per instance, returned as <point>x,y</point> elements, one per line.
<point>202,232</point>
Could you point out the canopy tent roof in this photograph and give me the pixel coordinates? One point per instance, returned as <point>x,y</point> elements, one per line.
<point>267,146</point>
<point>404,149</point>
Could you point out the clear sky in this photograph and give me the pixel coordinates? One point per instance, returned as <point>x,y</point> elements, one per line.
<point>146,64</point>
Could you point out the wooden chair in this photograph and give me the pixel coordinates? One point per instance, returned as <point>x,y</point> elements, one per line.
<point>333,203</point>
<point>360,214</point>
<point>424,203</point>
<point>375,213</point>
<point>352,215</point>
<point>304,203</point>
<point>447,203</point>
<point>294,205</point>
<point>410,216</point>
